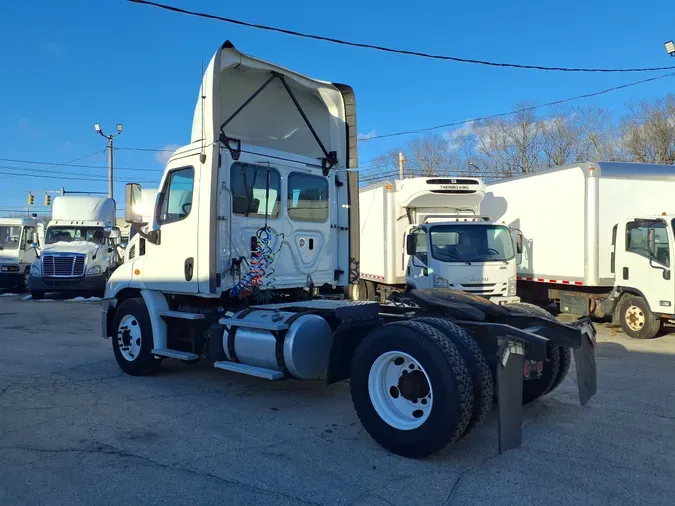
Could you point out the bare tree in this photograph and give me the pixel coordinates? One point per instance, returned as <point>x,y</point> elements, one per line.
<point>429,156</point>
<point>648,132</point>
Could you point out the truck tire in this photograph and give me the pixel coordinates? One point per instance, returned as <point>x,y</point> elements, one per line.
<point>25,286</point>
<point>132,339</point>
<point>552,373</point>
<point>411,388</point>
<point>479,369</point>
<point>637,320</point>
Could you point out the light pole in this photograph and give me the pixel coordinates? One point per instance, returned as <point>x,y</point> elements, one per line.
<point>670,48</point>
<point>97,127</point>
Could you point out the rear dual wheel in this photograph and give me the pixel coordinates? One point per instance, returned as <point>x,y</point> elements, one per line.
<point>555,367</point>
<point>411,387</point>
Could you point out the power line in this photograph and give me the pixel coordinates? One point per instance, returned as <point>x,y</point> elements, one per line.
<point>388,49</point>
<point>530,108</point>
<point>146,149</point>
<point>63,177</point>
<point>135,169</point>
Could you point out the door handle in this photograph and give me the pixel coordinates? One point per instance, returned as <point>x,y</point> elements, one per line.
<point>625,273</point>
<point>189,268</point>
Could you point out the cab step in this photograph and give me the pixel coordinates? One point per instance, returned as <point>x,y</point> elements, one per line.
<point>249,370</point>
<point>180,355</point>
<point>182,315</point>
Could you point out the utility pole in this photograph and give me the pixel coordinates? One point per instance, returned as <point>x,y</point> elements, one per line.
<point>401,160</point>
<point>110,138</point>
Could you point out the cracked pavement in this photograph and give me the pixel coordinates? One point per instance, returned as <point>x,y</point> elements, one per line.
<point>75,430</point>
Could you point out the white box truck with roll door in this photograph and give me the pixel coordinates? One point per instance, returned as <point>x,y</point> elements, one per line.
<point>81,247</point>
<point>597,239</point>
<point>426,232</point>
<point>253,241</point>
<point>20,240</point>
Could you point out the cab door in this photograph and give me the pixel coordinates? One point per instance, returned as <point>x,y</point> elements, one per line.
<point>418,263</point>
<point>649,273</point>
<point>171,265</point>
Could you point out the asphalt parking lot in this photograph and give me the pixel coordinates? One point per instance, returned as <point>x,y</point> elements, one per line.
<point>75,430</point>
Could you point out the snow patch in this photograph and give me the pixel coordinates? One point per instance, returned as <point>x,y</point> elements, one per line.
<point>27,297</point>
<point>8,294</point>
<point>84,299</point>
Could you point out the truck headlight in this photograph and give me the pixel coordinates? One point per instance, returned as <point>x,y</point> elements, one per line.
<point>36,269</point>
<point>511,287</point>
<point>439,281</point>
<point>93,271</point>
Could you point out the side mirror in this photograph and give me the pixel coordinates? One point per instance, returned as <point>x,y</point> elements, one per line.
<point>34,245</point>
<point>410,244</point>
<point>115,233</point>
<point>107,229</point>
<point>132,203</point>
<point>651,242</point>
<point>519,243</point>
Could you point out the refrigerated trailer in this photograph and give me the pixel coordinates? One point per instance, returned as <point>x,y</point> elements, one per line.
<point>255,237</point>
<point>426,232</point>
<point>597,239</point>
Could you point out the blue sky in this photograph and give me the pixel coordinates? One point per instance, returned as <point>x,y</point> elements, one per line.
<point>67,65</point>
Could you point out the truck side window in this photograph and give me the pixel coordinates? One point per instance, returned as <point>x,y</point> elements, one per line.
<point>636,240</point>
<point>177,200</point>
<point>421,252</point>
<point>307,197</point>
<point>250,195</point>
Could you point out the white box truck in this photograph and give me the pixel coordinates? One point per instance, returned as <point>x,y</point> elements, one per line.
<point>20,239</point>
<point>426,232</point>
<point>254,239</point>
<point>81,247</point>
<point>597,239</point>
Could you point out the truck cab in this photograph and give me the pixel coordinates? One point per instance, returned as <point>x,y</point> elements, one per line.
<point>643,298</point>
<point>468,254</point>
<point>80,248</point>
<point>20,239</point>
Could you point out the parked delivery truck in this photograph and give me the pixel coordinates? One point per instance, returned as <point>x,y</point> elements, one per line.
<point>253,240</point>
<point>598,239</point>
<point>426,232</point>
<point>81,247</point>
<point>20,239</point>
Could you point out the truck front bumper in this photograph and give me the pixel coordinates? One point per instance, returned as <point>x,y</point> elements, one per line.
<point>81,284</point>
<point>11,279</point>
<point>501,300</point>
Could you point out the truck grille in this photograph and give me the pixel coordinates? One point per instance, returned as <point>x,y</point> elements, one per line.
<point>63,266</point>
<point>485,288</point>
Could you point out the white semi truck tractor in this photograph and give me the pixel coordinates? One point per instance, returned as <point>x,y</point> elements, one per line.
<point>20,239</point>
<point>254,241</point>
<point>81,247</point>
<point>426,232</point>
<point>598,240</point>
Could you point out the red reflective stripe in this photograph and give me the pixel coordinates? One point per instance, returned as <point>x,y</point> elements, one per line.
<point>565,282</point>
<point>578,283</point>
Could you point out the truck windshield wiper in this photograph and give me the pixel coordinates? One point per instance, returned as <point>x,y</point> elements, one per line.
<point>454,257</point>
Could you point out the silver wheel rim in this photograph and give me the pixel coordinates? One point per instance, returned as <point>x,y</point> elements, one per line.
<point>129,337</point>
<point>400,390</point>
<point>635,318</point>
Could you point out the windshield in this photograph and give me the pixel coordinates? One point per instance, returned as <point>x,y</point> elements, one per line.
<point>471,243</point>
<point>9,237</point>
<point>70,234</point>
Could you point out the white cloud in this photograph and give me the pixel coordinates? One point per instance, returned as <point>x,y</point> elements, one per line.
<point>164,155</point>
<point>369,135</point>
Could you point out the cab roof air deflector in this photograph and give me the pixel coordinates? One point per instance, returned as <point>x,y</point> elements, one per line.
<point>327,162</point>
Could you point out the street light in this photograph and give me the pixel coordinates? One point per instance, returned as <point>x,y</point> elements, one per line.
<point>670,47</point>
<point>97,127</point>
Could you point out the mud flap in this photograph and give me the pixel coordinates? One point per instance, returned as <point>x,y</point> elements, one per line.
<point>584,360</point>
<point>510,394</point>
